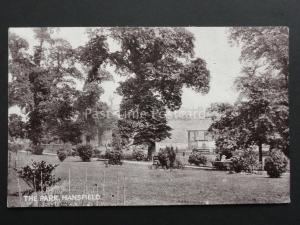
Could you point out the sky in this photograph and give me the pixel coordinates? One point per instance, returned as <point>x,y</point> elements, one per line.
<point>211,44</point>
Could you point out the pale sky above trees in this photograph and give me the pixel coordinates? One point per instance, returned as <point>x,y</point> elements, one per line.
<point>211,44</point>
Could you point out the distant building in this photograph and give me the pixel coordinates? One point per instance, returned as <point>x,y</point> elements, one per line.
<point>190,134</point>
<point>200,140</point>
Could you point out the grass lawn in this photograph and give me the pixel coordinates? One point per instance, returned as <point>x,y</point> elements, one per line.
<point>144,186</point>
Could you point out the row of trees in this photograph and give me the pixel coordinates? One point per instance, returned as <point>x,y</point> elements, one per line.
<point>260,115</point>
<point>155,62</point>
<point>42,83</point>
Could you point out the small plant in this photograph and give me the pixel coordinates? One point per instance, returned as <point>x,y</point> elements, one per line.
<point>62,154</point>
<point>166,157</point>
<point>139,155</point>
<point>85,152</point>
<point>39,176</point>
<point>276,164</point>
<point>238,164</point>
<point>37,149</point>
<point>114,157</point>
<point>197,158</point>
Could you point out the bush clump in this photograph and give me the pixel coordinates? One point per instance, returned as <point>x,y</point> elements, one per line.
<point>39,176</point>
<point>245,161</point>
<point>197,158</point>
<point>85,152</point>
<point>139,155</point>
<point>114,157</point>
<point>222,165</point>
<point>166,157</point>
<point>37,149</point>
<point>62,154</point>
<point>276,164</point>
<point>238,164</point>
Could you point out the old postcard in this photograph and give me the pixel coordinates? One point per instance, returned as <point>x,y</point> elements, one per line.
<point>127,116</point>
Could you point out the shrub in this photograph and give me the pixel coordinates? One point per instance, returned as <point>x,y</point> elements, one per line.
<point>37,149</point>
<point>139,155</point>
<point>166,157</point>
<point>39,175</point>
<point>85,152</point>
<point>276,163</point>
<point>237,164</point>
<point>62,154</point>
<point>219,165</point>
<point>226,152</point>
<point>197,158</point>
<point>244,161</point>
<point>114,157</point>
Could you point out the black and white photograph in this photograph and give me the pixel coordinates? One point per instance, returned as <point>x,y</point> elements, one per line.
<point>148,116</point>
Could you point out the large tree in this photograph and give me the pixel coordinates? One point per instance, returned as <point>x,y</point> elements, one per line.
<point>260,115</point>
<point>158,63</point>
<point>40,80</point>
<point>242,125</point>
<point>93,113</point>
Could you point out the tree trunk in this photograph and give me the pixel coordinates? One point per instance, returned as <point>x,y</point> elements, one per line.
<point>87,139</point>
<point>100,134</point>
<point>260,155</point>
<point>151,150</point>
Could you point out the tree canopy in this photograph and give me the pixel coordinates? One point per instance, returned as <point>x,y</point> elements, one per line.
<point>260,115</point>
<point>157,62</point>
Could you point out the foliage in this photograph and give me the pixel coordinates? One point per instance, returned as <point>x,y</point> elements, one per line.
<point>37,149</point>
<point>16,127</point>
<point>242,125</point>
<point>62,154</point>
<point>157,62</point>
<point>276,163</point>
<point>220,165</point>
<point>60,118</point>
<point>197,158</point>
<point>39,175</point>
<point>85,152</point>
<point>118,142</point>
<point>93,55</point>
<point>260,115</point>
<point>39,81</point>
<point>14,147</point>
<point>238,164</point>
<point>114,157</point>
<point>264,81</point>
<point>265,45</point>
<point>245,161</point>
<point>139,155</point>
<point>167,157</point>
